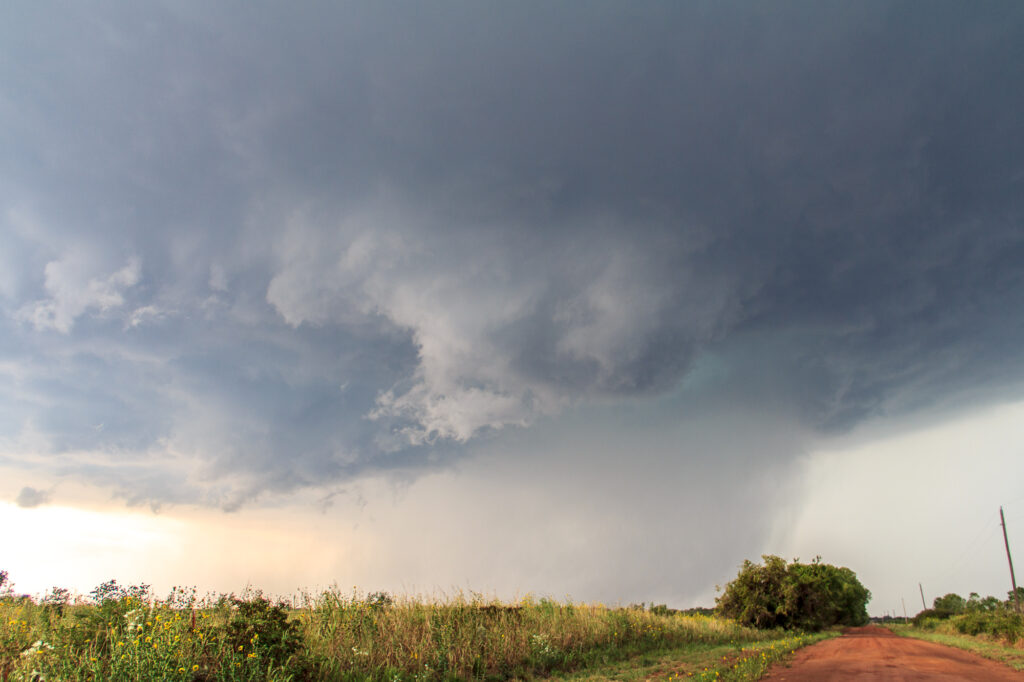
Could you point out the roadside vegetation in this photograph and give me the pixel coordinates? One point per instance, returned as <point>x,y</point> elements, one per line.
<point>798,596</point>
<point>987,626</point>
<point>125,633</point>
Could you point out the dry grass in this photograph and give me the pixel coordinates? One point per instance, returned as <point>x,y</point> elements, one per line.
<point>127,635</point>
<point>472,638</point>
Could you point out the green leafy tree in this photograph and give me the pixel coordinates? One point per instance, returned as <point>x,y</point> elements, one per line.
<point>951,603</point>
<point>794,596</point>
<point>976,602</point>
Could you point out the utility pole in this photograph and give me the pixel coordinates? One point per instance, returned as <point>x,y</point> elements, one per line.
<point>1013,578</point>
<point>925,606</point>
<point>904,610</point>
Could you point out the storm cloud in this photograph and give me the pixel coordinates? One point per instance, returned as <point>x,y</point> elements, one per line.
<point>261,249</point>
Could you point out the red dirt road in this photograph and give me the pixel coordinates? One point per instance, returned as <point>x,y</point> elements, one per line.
<point>874,653</point>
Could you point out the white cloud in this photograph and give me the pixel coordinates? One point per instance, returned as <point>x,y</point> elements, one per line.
<point>74,290</point>
<point>469,300</point>
<point>144,314</point>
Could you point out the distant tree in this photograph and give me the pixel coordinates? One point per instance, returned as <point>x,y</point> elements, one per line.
<point>976,603</point>
<point>795,595</point>
<point>951,603</point>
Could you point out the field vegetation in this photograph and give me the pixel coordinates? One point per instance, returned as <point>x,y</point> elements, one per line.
<point>798,596</point>
<point>988,626</point>
<point>124,633</point>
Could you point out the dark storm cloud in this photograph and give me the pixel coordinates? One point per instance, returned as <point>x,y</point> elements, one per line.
<point>288,245</point>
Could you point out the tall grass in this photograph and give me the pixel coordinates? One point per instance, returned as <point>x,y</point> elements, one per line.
<point>468,637</point>
<point>125,634</point>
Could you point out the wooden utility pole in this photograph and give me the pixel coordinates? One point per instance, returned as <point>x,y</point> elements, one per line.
<point>1006,542</point>
<point>925,606</point>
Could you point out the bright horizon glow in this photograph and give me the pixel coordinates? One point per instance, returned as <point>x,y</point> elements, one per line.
<point>929,519</point>
<point>846,514</point>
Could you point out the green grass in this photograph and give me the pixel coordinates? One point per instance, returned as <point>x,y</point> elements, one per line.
<point>730,662</point>
<point>995,649</point>
<point>127,635</point>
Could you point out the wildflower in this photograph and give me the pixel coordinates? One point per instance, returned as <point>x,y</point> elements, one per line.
<point>195,668</point>
<point>36,648</point>
<point>251,655</point>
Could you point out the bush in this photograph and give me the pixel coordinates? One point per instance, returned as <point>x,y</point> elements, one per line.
<point>794,596</point>
<point>932,616</point>
<point>1002,623</point>
<point>263,630</point>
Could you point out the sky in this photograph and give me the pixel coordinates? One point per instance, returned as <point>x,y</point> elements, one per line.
<point>585,300</point>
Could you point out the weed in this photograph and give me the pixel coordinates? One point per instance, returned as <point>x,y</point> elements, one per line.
<point>124,633</point>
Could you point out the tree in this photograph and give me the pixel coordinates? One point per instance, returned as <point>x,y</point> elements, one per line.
<point>976,603</point>
<point>795,596</point>
<point>952,603</point>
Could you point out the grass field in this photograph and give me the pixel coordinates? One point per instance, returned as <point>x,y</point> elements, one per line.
<point>125,634</point>
<point>989,647</point>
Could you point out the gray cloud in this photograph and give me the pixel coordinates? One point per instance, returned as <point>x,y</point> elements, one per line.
<point>472,219</point>
<point>30,497</point>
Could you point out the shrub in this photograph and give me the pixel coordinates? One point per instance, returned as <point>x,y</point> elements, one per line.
<point>1002,623</point>
<point>932,616</point>
<point>263,630</point>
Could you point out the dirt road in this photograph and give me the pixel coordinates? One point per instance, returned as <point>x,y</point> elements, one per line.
<point>874,653</point>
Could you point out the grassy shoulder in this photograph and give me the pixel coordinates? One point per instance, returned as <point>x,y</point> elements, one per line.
<point>126,634</point>
<point>720,661</point>
<point>987,647</point>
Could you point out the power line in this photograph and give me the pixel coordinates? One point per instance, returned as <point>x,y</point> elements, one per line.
<point>982,536</point>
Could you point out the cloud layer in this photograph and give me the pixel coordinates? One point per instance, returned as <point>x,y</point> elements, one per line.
<point>251,251</point>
